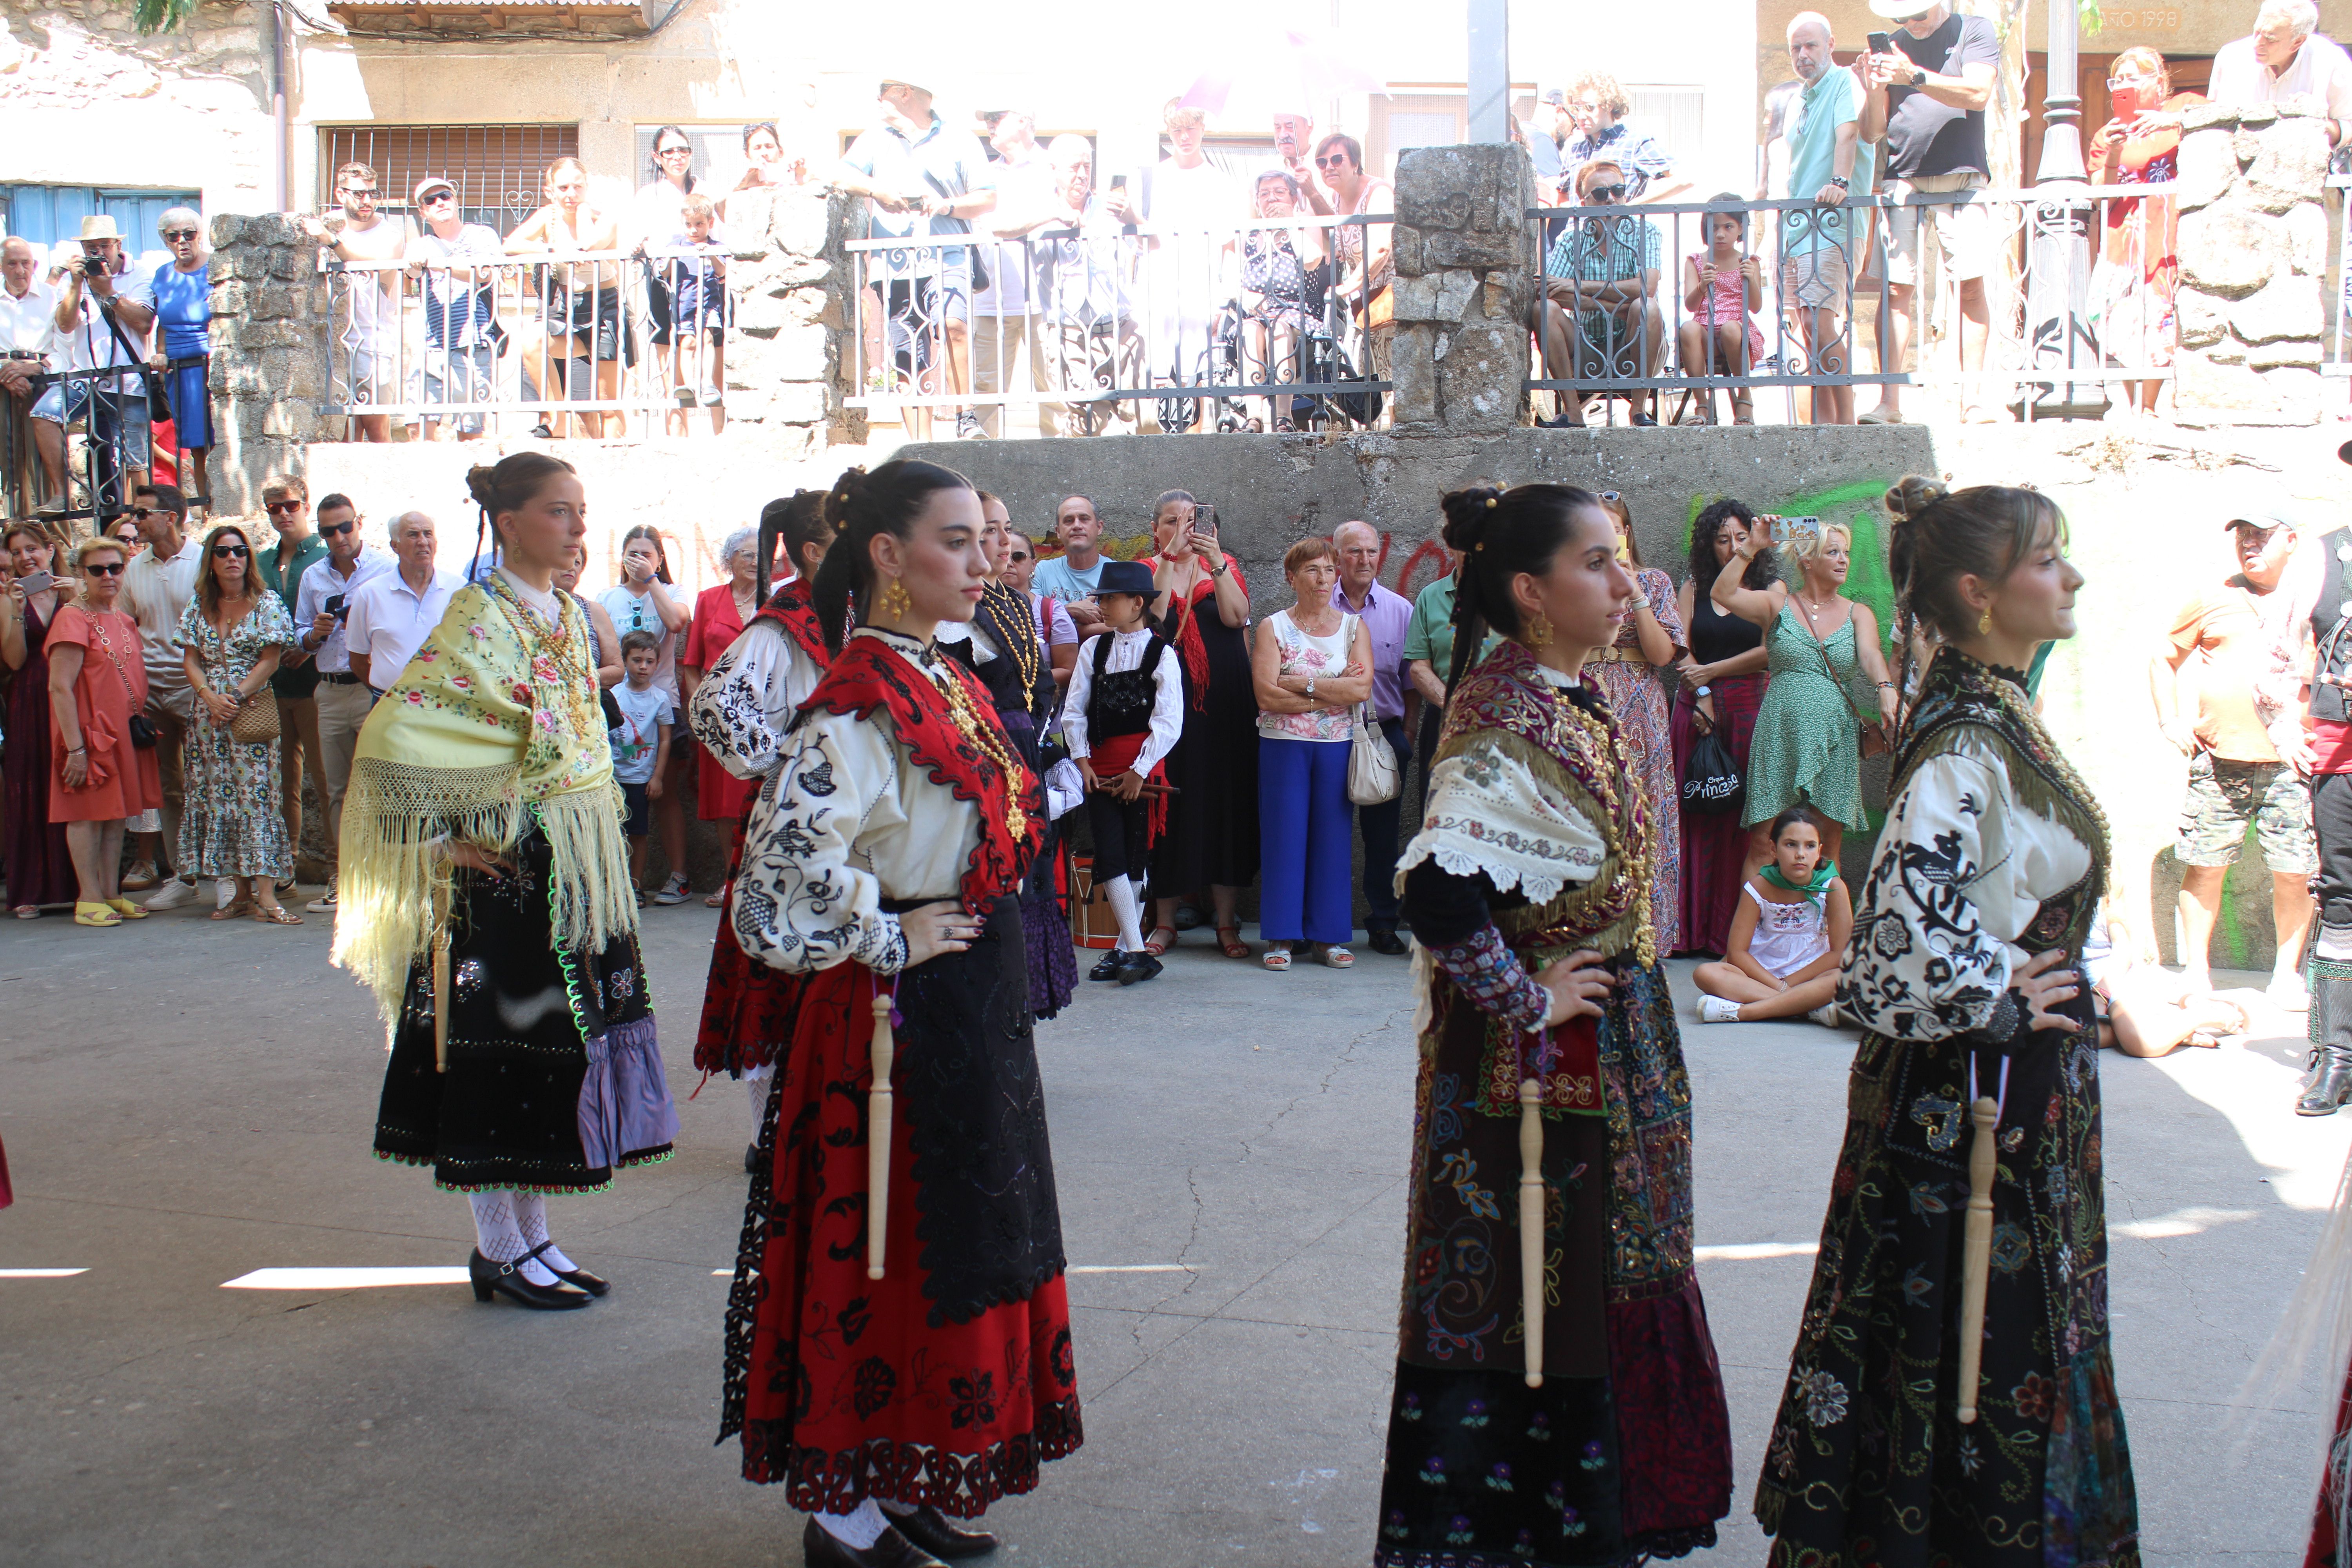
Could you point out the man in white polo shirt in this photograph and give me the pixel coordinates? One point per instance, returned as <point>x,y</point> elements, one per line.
<point>398,610</point>
<point>322,607</point>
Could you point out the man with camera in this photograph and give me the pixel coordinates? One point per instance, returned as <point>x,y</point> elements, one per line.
<point>104,314</point>
<point>29,309</point>
<point>323,607</point>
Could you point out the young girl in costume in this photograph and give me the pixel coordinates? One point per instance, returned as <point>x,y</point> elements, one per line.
<point>1787,939</point>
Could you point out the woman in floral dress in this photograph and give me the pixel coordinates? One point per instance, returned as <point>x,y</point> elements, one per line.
<point>1631,675</point>
<point>231,636</point>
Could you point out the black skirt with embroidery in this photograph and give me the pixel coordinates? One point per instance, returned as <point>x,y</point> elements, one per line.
<point>554,1072</point>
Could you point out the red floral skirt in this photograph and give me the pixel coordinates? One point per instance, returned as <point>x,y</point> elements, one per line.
<point>747,1007</point>
<point>1715,847</point>
<point>845,1387</point>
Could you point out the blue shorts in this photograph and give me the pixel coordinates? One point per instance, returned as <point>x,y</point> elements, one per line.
<point>68,400</point>
<point>641,815</point>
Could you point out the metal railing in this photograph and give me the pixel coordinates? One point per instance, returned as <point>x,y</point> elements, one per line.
<point>1267,324</point>
<point>600,344</point>
<point>103,416</point>
<point>1625,314</point>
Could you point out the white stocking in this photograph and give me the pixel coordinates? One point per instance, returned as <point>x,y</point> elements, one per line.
<point>859,1528</point>
<point>757,1088</point>
<point>530,1218</point>
<point>499,1236</point>
<point>1125,905</point>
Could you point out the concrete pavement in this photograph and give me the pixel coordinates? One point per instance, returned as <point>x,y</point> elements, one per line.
<point>185,1102</point>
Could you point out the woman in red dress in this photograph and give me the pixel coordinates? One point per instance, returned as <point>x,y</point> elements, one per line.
<point>721,613</point>
<point>884,861</point>
<point>40,867</point>
<point>99,775</point>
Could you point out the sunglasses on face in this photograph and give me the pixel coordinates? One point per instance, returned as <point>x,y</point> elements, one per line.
<point>102,569</point>
<point>274,507</point>
<point>173,235</point>
<point>360,196</point>
<point>1601,196</point>
<point>1336,161</point>
<point>141,513</point>
<point>437,197</point>
<point>333,530</point>
<point>666,152</point>
<point>230,553</point>
<point>1612,497</point>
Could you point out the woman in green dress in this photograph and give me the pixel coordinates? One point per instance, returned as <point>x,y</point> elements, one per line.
<point>1808,744</point>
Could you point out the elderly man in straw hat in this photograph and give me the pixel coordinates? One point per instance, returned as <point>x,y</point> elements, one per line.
<point>105,312</point>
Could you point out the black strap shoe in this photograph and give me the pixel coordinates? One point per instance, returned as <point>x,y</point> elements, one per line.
<point>595,1284</point>
<point>932,1530</point>
<point>819,1548</point>
<point>506,1280</point>
<point>1113,962</point>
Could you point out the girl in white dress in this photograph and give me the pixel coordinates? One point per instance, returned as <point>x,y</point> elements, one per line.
<point>1782,959</point>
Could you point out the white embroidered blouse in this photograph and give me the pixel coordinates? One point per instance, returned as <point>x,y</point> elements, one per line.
<point>744,705</point>
<point>1960,872</point>
<point>1127,650</point>
<point>844,822</point>
<point>1487,812</point>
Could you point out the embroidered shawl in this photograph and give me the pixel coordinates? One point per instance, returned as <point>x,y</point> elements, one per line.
<point>790,608</point>
<point>955,736</point>
<point>497,714</point>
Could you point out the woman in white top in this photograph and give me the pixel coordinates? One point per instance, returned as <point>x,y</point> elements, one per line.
<point>1964,973</point>
<point>1781,960</point>
<point>641,602</point>
<point>880,864</point>
<point>1311,664</point>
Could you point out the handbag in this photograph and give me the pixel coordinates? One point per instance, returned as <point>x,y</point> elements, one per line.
<point>1712,785</point>
<point>142,728</point>
<point>257,720</point>
<point>1872,734</point>
<point>1373,777</point>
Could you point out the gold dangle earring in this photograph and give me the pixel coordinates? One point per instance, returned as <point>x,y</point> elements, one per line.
<point>1539,631</point>
<point>894,600</point>
<point>1984,622</point>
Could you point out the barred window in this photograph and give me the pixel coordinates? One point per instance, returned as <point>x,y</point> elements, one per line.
<point>500,169</point>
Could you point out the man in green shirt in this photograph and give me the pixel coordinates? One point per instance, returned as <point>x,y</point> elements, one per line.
<point>288,502</point>
<point>1429,659</point>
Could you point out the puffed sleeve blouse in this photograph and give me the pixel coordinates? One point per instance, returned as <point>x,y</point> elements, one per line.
<point>746,702</point>
<point>847,823</point>
<point>1959,872</point>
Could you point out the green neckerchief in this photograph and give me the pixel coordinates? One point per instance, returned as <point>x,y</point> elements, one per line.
<point>1824,875</point>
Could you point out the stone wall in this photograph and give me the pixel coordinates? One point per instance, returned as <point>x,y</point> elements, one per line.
<point>1462,289</point>
<point>2254,265</point>
<point>791,283</point>
<point>269,354</point>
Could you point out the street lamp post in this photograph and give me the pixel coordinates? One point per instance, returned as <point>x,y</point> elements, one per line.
<point>2058,291</point>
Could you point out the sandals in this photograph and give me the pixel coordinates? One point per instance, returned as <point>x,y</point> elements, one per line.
<point>1232,946</point>
<point>1154,946</point>
<point>87,914</point>
<point>1338,957</point>
<point>28,911</point>
<point>276,915</point>
<point>233,910</point>
<point>126,909</point>
<point>715,900</point>
<point>1277,959</point>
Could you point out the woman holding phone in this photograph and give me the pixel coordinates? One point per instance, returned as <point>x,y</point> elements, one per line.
<point>2138,271</point>
<point>40,867</point>
<point>1808,743</point>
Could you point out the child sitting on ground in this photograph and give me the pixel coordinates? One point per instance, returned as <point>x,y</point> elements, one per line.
<point>2142,1010</point>
<point>1788,937</point>
<point>640,743</point>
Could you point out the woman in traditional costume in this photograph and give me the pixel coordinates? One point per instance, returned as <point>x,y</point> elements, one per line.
<point>1907,1432</point>
<point>1601,1438</point>
<point>739,713</point>
<point>486,901</point>
<point>881,863</point>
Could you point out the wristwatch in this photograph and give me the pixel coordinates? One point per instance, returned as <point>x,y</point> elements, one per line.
<point>1703,691</point>
<point>1840,182</point>
<point>1918,77</point>
<point>1310,686</point>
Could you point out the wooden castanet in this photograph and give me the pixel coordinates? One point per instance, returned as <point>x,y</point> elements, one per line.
<point>884,1050</point>
<point>1531,1225</point>
<point>1976,1251</point>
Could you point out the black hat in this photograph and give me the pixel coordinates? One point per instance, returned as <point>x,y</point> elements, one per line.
<point>1126,577</point>
<point>2343,453</point>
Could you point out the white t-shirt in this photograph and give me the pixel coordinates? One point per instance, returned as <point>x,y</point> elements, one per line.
<point>1195,212</point>
<point>636,613</point>
<point>390,620</point>
<point>91,346</point>
<point>1022,191</point>
<point>29,323</point>
<point>643,713</point>
<point>156,594</point>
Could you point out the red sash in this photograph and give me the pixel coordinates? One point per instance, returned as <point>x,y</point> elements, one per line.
<point>947,739</point>
<point>1116,756</point>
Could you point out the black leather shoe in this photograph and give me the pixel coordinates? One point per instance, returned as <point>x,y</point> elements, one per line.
<point>1113,962</point>
<point>819,1548</point>
<point>750,1159</point>
<point>1140,967</point>
<point>506,1280</point>
<point>2329,1091</point>
<point>1385,940</point>
<point>579,1278</point>
<point>937,1534</point>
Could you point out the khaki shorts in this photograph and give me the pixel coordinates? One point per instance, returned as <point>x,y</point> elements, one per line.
<point>2222,797</point>
<point>1964,231</point>
<point>1817,280</point>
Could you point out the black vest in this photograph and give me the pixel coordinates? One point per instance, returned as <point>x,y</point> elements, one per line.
<point>2331,629</point>
<point>1121,704</point>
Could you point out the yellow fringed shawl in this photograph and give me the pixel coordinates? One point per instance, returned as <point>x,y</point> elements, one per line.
<point>496,712</point>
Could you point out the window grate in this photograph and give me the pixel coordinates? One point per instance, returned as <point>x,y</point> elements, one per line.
<point>500,169</point>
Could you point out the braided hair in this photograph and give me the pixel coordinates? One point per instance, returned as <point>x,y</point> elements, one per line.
<point>1500,535</point>
<point>507,487</point>
<point>859,506</point>
<point>1940,536</point>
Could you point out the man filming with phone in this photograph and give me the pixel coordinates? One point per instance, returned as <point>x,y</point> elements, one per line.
<point>105,312</point>
<point>321,609</point>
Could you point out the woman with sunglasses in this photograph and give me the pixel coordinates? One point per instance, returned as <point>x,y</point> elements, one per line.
<point>232,635</point>
<point>184,311</point>
<point>40,867</point>
<point>99,773</point>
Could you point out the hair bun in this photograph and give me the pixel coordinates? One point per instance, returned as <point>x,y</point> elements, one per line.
<point>482,484</point>
<point>1468,513</point>
<point>1912,494</point>
<point>849,492</point>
